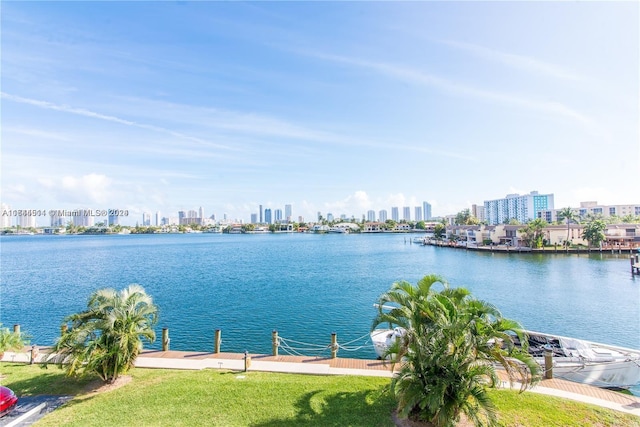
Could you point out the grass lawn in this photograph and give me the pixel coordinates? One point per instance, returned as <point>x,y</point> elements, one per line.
<point>157,397</point>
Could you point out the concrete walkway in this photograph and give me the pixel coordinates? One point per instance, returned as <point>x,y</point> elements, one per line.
<point>345,366</point>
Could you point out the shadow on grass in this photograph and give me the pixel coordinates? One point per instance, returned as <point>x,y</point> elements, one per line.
<point>49,381</point>
<point>357,409</point>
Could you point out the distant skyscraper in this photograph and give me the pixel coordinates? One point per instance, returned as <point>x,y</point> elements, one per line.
<point>395,214</point>
<point>57,221</point>
<point>260,213</point>
<point>382,215</point>
<point>146,219</point>
<point>329,216</point>
<point>113,219</point>
<point>371,216</point>
<point>26,221</point>
<point>5,220</point>
<point>83,218</point>
<point>287,213</point>
<point>158,218</point>
<point>200,212</point>
<point>267,215</point>
<point>418,216</point>
<point>406,213</point>
<point>478,212</point>
<point>254,218</point>
<point>426,211</point>
<point>277,215</point>
<point>182,215</point>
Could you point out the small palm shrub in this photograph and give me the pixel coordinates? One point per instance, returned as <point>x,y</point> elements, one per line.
<point>449,352</point>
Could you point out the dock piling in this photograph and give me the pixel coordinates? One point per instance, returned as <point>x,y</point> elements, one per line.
<point>548,364</point>
<point>274,342</point>
<point>216,341</point>
<point>165,339</point>
<point>334,345</point>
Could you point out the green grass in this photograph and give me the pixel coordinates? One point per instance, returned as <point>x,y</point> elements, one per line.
<point>220,398</point>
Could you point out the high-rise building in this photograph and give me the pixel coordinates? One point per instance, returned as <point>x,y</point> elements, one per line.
<point>426,211</point>
<point>514,206</point>
<point>158,218</point>
<point>277,215</point>
<point>57,220</point>
<point>26,221</point>
<point>329,216</point>
<point>200,212</point>
<point>5,220</point>
<point>254,218</point>
<point>395,214</point>
<point>112,219</point>
<point>287,213</point>
<point>382,215</point>
<point>418,212</point>
<point>267,215</point>
<point>371,215</point>
<point>478,212</point>
<point>146,219</point>
<point>83,218</point>
<point>406,213</point>
<point>260,213</point>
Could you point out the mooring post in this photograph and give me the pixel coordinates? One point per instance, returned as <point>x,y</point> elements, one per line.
<point>34,354</point>
<point>247,361</point>
<point>16,329</point>
<point>548,364</point>
<point>165,339</point>
<point>216,342</point>
<point>334,345</point>
<point>274,342</point>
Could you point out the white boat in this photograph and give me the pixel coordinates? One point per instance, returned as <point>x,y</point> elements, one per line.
<point>382,339</point>
<point>587,362</point>
<point>573,359</point>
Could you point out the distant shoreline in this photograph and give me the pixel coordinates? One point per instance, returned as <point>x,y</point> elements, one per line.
<point>546,250</point>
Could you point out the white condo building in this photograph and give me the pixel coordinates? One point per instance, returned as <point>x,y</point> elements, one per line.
<point>395,214</point>
<point>418,214</point>
<point>426,211</point>
<point>521,208</point>
<point>593,208</point>
<point>5,220</point>
<point>406,213</point>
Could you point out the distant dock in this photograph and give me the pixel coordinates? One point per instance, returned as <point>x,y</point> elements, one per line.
<point>635,264</point>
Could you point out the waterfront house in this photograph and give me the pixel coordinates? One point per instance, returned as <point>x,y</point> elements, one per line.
<point>373,227</point>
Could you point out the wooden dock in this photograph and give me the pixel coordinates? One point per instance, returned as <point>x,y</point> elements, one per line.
<point>635,264</point>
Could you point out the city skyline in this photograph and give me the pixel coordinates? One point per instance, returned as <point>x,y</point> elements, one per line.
<point>341,107</point>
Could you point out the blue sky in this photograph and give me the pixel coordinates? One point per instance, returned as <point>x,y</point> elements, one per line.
<point>336,107</point>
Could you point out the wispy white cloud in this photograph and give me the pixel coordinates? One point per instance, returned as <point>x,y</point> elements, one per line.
<point>95,115</point>
<point>37,133</point>
<point>522,62</point>
<point>418,77</point>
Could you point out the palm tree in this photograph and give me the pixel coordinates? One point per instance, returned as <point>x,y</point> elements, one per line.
<point>448,352</point>
<point>567,214</point>
<point>107,337</point>
<point>12,340</point>
<point>594,232</point>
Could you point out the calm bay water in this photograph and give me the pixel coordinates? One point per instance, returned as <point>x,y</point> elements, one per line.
<point>303,285</point>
